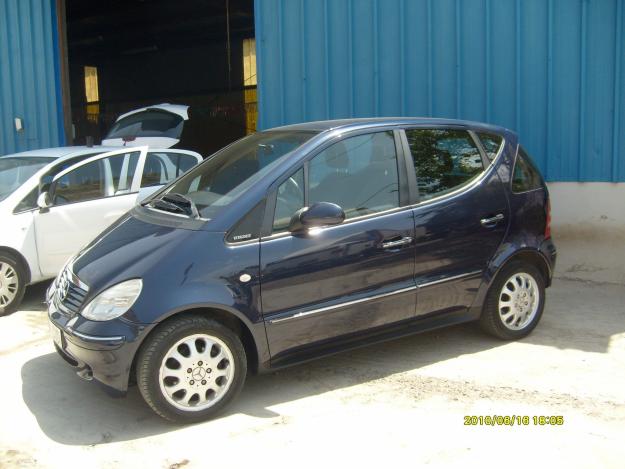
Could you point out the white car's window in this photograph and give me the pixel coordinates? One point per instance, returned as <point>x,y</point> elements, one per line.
<point>150,123</point>
<point>15,171</point>
<point>105,177</point>
<point>163,167</point>
<point>30,201</point>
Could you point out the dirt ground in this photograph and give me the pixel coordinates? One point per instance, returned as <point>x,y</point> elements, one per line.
<point>399,403</point>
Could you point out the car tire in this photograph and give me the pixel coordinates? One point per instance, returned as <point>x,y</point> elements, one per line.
<point>515,302</point>
<point>191,368</point>
<point>12,283</point>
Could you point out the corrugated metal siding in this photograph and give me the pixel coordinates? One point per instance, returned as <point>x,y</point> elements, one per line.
<point>550,69</point>
<point>29,78</point>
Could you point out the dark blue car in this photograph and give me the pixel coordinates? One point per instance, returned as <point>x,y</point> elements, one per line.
<point>302,241</point>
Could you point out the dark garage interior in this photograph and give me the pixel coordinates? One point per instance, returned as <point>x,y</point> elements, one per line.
<point>126,54</point>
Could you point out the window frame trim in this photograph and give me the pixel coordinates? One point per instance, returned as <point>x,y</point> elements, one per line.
<point>418,203</point>
<point>402,176</point>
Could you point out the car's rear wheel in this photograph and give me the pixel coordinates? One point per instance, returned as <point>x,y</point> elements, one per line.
<point>515,302</point>
<point>191,368</point>
<point>12,283</point>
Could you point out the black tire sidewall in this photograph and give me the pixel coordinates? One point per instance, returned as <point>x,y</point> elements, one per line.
<point>491,321</point>
<point>151,355</point>
<point>21,287</point>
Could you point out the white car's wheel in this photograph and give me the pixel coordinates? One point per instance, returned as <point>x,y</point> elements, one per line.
<point>12,283</point>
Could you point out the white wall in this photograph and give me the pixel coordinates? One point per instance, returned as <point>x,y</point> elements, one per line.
<point>588,225</point>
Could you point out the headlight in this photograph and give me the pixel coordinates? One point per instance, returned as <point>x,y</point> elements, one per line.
<point>114,302</point>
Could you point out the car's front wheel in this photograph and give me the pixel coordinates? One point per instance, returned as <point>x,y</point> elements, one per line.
<point>12,283</point>
<point>190,368</point>
<point>515,302</point>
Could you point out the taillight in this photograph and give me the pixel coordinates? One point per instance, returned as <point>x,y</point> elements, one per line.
<point>548,221</point>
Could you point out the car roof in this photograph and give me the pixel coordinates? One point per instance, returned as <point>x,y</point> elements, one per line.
<point>62,152</point>
<point>352,124</point>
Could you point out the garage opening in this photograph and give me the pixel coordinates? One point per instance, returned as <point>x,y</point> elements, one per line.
<point>128,54</point>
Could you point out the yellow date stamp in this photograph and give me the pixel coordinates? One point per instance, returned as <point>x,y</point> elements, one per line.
<point>512,420</point>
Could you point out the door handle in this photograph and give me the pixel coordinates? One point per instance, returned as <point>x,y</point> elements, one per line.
<point>397,243</point>
<point>492,220</point>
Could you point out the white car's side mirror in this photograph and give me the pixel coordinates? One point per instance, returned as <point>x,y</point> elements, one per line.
<point>43,201</point>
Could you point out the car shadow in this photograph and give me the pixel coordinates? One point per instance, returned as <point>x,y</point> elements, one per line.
<point>75,412</point>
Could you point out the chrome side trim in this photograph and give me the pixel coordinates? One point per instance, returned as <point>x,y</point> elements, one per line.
<point>448,279</point>
<point>341,305</point>
<point>93,338</point>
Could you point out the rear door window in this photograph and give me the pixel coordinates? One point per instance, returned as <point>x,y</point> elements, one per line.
<point>526,177</point>
<point>444,160</point>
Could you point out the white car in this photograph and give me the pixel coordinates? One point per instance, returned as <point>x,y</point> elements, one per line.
<point>54,201</point>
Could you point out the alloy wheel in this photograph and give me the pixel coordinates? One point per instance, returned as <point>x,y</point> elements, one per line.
<point>196,372</point>
<point>9,284</point>
<point>519,300</point>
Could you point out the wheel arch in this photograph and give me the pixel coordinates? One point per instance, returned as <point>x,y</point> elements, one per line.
<point>528,254</point>
<point>531,256</point>
<point>225,317</point>
<point>21,259</point>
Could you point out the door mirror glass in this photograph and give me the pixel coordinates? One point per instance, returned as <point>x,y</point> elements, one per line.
<point>44,201</point>
<point>319,214</point>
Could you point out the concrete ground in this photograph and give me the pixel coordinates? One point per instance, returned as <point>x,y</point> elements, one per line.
<point>402,402</point>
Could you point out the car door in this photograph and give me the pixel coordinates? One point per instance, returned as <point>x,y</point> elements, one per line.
<point>86,198</point>
<point>163,166</point>
<point>460,220</point>
<point>334,282</point>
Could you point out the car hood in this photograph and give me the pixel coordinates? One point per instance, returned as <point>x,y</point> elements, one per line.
<point>132,248</point>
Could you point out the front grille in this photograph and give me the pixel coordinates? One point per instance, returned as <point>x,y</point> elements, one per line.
<point>70,293</point>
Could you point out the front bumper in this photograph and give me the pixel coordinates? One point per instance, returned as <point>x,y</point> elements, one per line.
<point>103,351</point>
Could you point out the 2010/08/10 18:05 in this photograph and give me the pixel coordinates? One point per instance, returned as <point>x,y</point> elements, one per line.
<point>511,420</point>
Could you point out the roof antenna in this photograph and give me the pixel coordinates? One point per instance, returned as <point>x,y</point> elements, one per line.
<point>89,141</point>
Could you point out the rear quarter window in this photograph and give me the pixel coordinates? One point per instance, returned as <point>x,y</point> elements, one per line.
<point>491,143</point>
<point>526,177</point>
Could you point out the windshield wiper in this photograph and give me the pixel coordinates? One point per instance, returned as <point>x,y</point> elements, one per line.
<point>176,203</point>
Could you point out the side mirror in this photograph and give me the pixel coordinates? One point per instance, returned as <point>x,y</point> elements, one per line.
<point>44,202</point>
<point>319,214</point>
<point>44,184</point>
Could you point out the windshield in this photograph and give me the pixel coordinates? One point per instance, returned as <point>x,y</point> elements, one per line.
<point>15,171</point>
<point>152,123</point>
<point>215,183</point>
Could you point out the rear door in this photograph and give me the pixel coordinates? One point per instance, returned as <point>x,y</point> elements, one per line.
<point>163,166</point>
<point>460,219</point>
<point>86,199</point>
<point>338,281</point>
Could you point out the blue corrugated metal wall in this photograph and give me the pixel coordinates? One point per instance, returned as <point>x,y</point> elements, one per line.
<point>550,69</point>
<point>29,76</point>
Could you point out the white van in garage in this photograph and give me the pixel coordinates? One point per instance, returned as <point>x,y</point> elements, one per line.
<point>54,201</point>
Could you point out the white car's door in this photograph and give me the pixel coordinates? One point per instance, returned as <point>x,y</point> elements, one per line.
<point>163,166</point>
<point>86,198</point>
